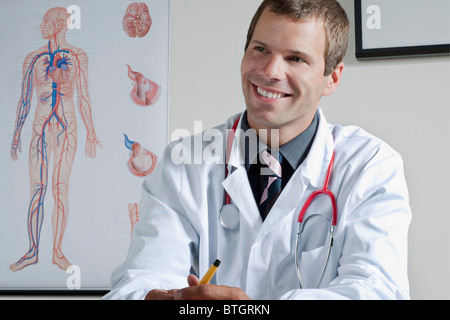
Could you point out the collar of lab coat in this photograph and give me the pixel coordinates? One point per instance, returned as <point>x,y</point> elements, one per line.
<point>314,167</point>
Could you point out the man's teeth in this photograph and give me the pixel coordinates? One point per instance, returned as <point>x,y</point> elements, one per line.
<point>270,95</point>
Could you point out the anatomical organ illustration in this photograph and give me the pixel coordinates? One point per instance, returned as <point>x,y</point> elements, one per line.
<point>137,20</point>
<point>133,212</point>
<point>145,92</point>
<point>141,162</point>
<point>56,69</point>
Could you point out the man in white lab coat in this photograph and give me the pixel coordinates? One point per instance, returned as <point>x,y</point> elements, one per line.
<point>293,57</point>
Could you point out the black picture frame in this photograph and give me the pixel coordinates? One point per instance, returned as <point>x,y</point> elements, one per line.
<point>390,52</point>
<point>53,292</point>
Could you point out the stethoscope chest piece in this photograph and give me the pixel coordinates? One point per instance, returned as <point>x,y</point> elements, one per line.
<point>229,216</point>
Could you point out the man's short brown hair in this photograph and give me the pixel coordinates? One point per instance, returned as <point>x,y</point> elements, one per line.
<point>329,12</point>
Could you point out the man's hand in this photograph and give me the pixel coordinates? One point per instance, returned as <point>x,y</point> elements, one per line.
<point>160,294</point>
<point>197,291</point>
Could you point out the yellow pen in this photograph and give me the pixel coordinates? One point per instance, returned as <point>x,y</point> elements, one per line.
<point>209,274</point>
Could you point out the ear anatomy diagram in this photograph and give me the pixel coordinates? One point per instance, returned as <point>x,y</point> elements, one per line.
<point>141,162</point>
<point>54,72</point>
<point>145,92</point>
<point>137,20</point>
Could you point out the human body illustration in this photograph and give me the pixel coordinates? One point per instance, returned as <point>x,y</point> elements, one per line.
<point>54,71</point>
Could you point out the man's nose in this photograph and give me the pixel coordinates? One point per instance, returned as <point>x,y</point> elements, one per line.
<point>273,68</point>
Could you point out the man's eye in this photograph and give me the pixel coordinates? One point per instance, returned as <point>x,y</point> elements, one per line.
<point>260,49</point>
<point>296,59</point>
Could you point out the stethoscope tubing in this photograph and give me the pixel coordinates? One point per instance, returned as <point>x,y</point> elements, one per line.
<point>324,191</point>
<point>301,215</point>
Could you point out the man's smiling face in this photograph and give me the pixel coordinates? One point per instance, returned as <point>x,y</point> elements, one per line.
<point>283,73</point>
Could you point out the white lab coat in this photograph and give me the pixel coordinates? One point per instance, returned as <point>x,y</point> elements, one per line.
<point>179,232</point>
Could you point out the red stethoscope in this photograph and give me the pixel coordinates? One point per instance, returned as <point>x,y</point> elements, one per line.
<point>229,214</point>
<point>312,196</point>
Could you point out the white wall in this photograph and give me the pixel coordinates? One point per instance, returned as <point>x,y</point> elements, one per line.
<point>403,101</point>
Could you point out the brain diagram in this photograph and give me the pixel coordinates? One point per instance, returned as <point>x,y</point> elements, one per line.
<point>137,21</point>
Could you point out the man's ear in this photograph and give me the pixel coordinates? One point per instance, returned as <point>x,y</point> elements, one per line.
<point>333,80</point>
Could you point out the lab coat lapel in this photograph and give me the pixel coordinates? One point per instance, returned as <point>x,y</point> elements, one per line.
<point>286,204</point>
<point>238,187</point>
<point>314,168</point>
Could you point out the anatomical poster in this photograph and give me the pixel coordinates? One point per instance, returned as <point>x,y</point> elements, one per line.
<point>84,100</point>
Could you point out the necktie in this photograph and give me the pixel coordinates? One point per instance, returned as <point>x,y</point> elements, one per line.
<point>272,186</point>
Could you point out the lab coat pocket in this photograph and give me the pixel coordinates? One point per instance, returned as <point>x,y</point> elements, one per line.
<point>311,266</point>
<point>313,243</point>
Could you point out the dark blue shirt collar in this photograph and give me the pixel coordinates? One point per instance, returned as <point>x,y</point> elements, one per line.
<point>295,150</point>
